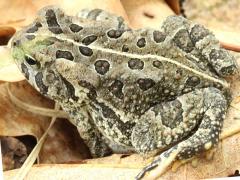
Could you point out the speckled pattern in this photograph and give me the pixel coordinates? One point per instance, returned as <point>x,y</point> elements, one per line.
<point>135,90</point>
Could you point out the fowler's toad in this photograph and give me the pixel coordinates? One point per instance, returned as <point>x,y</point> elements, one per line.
<point>129,90</point>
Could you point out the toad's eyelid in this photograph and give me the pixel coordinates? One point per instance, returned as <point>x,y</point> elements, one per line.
<point>30,60</point>
<point>30,56</point>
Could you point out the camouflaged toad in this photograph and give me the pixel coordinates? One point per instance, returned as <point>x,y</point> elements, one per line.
<point>129,90</point>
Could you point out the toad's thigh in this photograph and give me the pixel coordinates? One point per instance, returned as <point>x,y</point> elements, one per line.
<point>168,122</point>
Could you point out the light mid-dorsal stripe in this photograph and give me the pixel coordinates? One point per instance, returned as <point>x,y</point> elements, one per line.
<point>132,55</point>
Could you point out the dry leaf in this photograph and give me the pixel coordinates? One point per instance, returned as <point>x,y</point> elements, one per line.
<point>228,39</point>
<point>22,12</point>
<point>174,5</point>
<point>5,34</point>
<point>144,13</point>
<point>8,69</point>
<point>14,153</point>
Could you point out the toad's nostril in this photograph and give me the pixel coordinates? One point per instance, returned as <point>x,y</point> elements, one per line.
<point>16,43</point>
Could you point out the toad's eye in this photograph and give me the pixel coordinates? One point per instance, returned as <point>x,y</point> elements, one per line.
<point>30,60</point>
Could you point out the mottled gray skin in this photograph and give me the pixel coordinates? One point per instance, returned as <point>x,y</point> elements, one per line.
<point>129,90</point>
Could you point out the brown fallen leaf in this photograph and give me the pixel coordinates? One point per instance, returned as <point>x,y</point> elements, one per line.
<point>144,13</point>
<point>174,5</point>
<point>228,39</point>
<point>5,34</point>
<point>14,153</point>
<point>8,69</point>
<point>22,12</point>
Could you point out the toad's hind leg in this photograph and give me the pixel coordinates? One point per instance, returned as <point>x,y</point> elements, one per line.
<point>189,36</point>
<point>205,137</point>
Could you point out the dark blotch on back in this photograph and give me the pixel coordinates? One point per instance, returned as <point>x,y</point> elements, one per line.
<point>102,66</point>
<point>30,37</point>
<point>221,55</point>
<point>107,112</point>
<point>34,28</point>
<point>25,70</point>
<point>75,28</point>
<point>92,92</point>
<point>51,77</point>
<point>145,83</point>
<point>86,51</point>
<point>53,25</point>
<point>39,82</point>
<point>158,64</point>
<point>116,88</point>
<point>115,33</point>
<point>70,89</point>
<point>197,33</point>
<point>217,54</point>
<point>228,70</point>
<point>64,54</point>
<point>141,42</point>
<point>94,14</point>
<point>171,109</point>
<point>116,121</point>
<point>89,39</point>
<point>125,48</point>
<point>192,81</point>
<point>135,63</point>
<point>158,36</point>
<point>183,41</point>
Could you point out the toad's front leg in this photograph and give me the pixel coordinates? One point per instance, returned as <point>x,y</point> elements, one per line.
<point>206,135</point>
<point>87,130</point>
